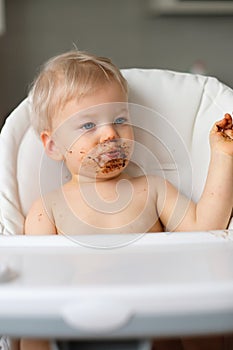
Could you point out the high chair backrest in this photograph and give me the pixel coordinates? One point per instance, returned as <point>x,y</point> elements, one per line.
<point>176,112</point>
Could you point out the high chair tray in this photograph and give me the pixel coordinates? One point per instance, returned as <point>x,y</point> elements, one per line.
<point>160,285</point>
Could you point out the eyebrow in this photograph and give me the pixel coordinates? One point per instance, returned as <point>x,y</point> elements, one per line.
<point>124,110</point>
<point>80,116</point>
<point>89,115</point>
<point>116,112</point>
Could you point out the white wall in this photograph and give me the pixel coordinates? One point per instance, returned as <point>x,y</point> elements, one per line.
<point>121,29</point>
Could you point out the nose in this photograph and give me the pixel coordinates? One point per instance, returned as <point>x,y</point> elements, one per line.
<point>108,133</point>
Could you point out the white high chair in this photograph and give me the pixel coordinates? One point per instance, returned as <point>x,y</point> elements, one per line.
<point>187,105</point>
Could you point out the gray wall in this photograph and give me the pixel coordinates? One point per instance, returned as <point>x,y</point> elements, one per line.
<point>122,29</point>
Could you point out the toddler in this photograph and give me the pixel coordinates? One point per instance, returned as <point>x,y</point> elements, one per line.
<point>80,112</point>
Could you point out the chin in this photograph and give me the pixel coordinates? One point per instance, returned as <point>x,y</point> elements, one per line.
<point>112,168</point>
<point>108,170</point>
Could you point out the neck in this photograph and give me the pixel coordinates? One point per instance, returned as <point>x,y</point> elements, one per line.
<point>85,179</point>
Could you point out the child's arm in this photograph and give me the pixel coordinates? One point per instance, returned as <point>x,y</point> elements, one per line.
<point>214,208</point>
<point>39,221</point>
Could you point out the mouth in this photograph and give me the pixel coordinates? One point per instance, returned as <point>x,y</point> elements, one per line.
<point>111,161</point>
<point>110,157</point>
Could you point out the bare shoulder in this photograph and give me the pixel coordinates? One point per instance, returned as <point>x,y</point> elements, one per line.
<point>154,184</point>
<point>40,219</point>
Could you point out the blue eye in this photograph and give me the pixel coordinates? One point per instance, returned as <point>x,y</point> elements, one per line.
<point>120,120</point>
<point>88,126</point>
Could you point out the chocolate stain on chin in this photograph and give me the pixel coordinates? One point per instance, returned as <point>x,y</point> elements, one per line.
<point>110,165</point>
<point>113,164</point>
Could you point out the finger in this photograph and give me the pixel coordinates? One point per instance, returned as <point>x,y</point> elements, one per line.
<point>220,125</point>
<point>225,123</point>
<point>228,119</point>
<point>229,133</point>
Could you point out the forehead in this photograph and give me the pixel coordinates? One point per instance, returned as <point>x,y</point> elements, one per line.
<point>101,98</point>
<point>99,115</point>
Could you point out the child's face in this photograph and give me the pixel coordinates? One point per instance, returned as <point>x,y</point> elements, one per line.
<point>94,134</point>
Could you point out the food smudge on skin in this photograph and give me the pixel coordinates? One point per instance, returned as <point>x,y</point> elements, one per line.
<point>40,216</point>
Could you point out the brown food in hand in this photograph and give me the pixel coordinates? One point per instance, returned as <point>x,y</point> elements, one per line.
<point>225,126</point>
<point>225,123</point>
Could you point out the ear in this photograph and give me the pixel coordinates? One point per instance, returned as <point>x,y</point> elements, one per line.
<point>51,148</point>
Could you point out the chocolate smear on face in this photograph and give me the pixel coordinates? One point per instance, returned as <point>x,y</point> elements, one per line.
<point>113,164</point>
<point>108,157</point>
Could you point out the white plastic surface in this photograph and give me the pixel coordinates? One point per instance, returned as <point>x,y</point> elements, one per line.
<point>96,316</point>
<point>180,272</point>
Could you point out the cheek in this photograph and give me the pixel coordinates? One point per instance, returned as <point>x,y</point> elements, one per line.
<point>128,133</point>
<point>129,137</point>
<point>75,158</point>
<point>82,153</point>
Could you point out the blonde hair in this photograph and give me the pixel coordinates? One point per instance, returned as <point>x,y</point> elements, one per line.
<point>70,75</point>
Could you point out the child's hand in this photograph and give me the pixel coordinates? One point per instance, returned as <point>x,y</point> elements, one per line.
<point>221,135</point>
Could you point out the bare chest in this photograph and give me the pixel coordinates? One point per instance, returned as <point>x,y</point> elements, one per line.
<point>128,207</point>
